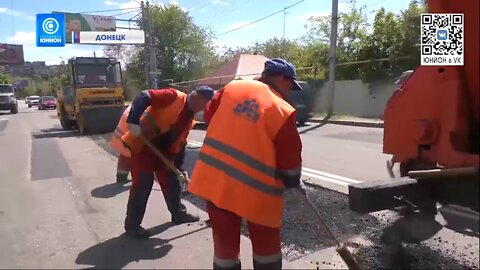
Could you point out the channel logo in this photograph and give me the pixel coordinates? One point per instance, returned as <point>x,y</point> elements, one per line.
<point>50,30</point>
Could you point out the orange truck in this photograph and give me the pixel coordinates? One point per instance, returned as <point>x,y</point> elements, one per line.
<point>431,128</point>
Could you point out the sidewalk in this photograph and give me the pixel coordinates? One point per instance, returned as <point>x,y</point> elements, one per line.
<point>350,121</point>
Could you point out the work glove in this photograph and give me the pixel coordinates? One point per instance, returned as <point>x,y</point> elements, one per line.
<point>134,129</point>
<point>185,174</point>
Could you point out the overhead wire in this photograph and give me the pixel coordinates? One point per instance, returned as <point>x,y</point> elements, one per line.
<point>108,10</point>
<point>230,11</point>
<point>195,4</point>
<point>261,19</point>
<point>207,4</point>
<point>127,12</point>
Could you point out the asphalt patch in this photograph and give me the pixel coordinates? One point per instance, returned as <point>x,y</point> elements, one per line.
<point>368,137</point>
<point>3,124</point>
<point>47,160</point>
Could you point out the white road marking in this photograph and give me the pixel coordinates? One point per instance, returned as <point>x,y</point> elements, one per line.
<point>318,175</point>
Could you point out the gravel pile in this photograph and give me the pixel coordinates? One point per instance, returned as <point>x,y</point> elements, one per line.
<point>303,235</point>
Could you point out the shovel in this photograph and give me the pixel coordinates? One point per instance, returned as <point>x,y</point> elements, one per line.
<point>347,256</point>
<point>165,161</point>
<point>180,176</point>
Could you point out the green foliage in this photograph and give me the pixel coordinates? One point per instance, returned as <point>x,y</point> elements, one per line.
<point>184,50</point>
<point>4,79</point>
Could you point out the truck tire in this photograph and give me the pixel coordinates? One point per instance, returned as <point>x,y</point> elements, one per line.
<point>67,124</point>
<point>14,110</point>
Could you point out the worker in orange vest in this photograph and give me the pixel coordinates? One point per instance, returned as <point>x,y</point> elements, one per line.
<point>165,117</point>
<point>251,153</point>
<point>116,143</point>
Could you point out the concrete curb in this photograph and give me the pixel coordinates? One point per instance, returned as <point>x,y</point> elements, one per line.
<point>349,123</point>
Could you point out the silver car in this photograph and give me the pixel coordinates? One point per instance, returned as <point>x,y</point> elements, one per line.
<point>33,101</point>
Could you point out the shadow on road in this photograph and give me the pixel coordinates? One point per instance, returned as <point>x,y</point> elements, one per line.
<point>109,190</point>
<point>56,132</point>
<point>312,128</point>
<point>118,252</point>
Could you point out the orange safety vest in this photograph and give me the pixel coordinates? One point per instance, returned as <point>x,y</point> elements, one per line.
<point>157,121</point>
<point>236,169</point>
<point>116,142</point>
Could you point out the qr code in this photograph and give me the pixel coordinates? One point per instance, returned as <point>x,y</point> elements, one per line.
<point>442,39</point>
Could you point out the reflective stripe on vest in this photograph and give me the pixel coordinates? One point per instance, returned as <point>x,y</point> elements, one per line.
<point>154,122</point>
<point>237,169</point>
<point>119,132</point>
<point>150,121</point>
<point>242,157</point>
<point>239,175</point>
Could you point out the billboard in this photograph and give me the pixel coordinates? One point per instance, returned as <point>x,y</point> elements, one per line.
<point>76,22</point>
<point>11,54</point>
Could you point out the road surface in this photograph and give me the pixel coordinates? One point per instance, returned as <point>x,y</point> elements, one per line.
<point>60,207</point>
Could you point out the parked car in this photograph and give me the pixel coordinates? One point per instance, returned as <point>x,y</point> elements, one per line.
<point>8,101</point>
<point>33,100</point>
<point>302,102</point>
<point>47,102</point>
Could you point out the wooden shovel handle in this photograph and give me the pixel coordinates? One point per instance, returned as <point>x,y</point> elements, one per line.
<point>167,162</point>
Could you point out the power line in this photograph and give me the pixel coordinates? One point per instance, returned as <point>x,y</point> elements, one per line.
<point>234,8</point>
<point>108,10</point>
<point>195,4</point>
<point>128,12</point>
<point>261,19</point>
<point>207,4</point>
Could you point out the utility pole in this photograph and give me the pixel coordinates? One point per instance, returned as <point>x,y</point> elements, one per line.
<point>146,45</point>
<point>332,58</point>
<point>152,50</point>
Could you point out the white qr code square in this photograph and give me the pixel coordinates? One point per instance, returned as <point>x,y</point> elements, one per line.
<point>441,39</point>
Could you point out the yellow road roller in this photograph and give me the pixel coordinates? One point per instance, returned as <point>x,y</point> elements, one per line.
<point>94,98</point>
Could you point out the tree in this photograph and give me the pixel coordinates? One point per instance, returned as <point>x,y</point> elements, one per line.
<point>184,50</point>
<point>410,37</point>
<point>352,33</point>
<point>123,53</point>
<point>4,79</point>
<point>383,42</point>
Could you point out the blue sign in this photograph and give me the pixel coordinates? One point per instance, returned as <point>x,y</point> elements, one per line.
<point>442,34</point>
<point>51,30</point>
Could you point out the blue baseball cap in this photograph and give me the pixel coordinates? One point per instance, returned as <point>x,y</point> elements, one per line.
<point>279,66</point>
<point>205,91</point>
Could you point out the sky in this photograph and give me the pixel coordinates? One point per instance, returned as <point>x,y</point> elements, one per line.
<point>17,20</point>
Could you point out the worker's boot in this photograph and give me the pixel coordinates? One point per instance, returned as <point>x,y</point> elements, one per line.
<point>184,217</point>
<point>138,232</point>
<point>122,178</point>
<point>270,266</point>
<point>174,204</point>
<point>237,266</point>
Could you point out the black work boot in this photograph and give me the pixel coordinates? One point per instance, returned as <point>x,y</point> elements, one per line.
<point>122,178</point>
<point>237,266</point>
<point>184,217</point>
<point>138,232</point>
